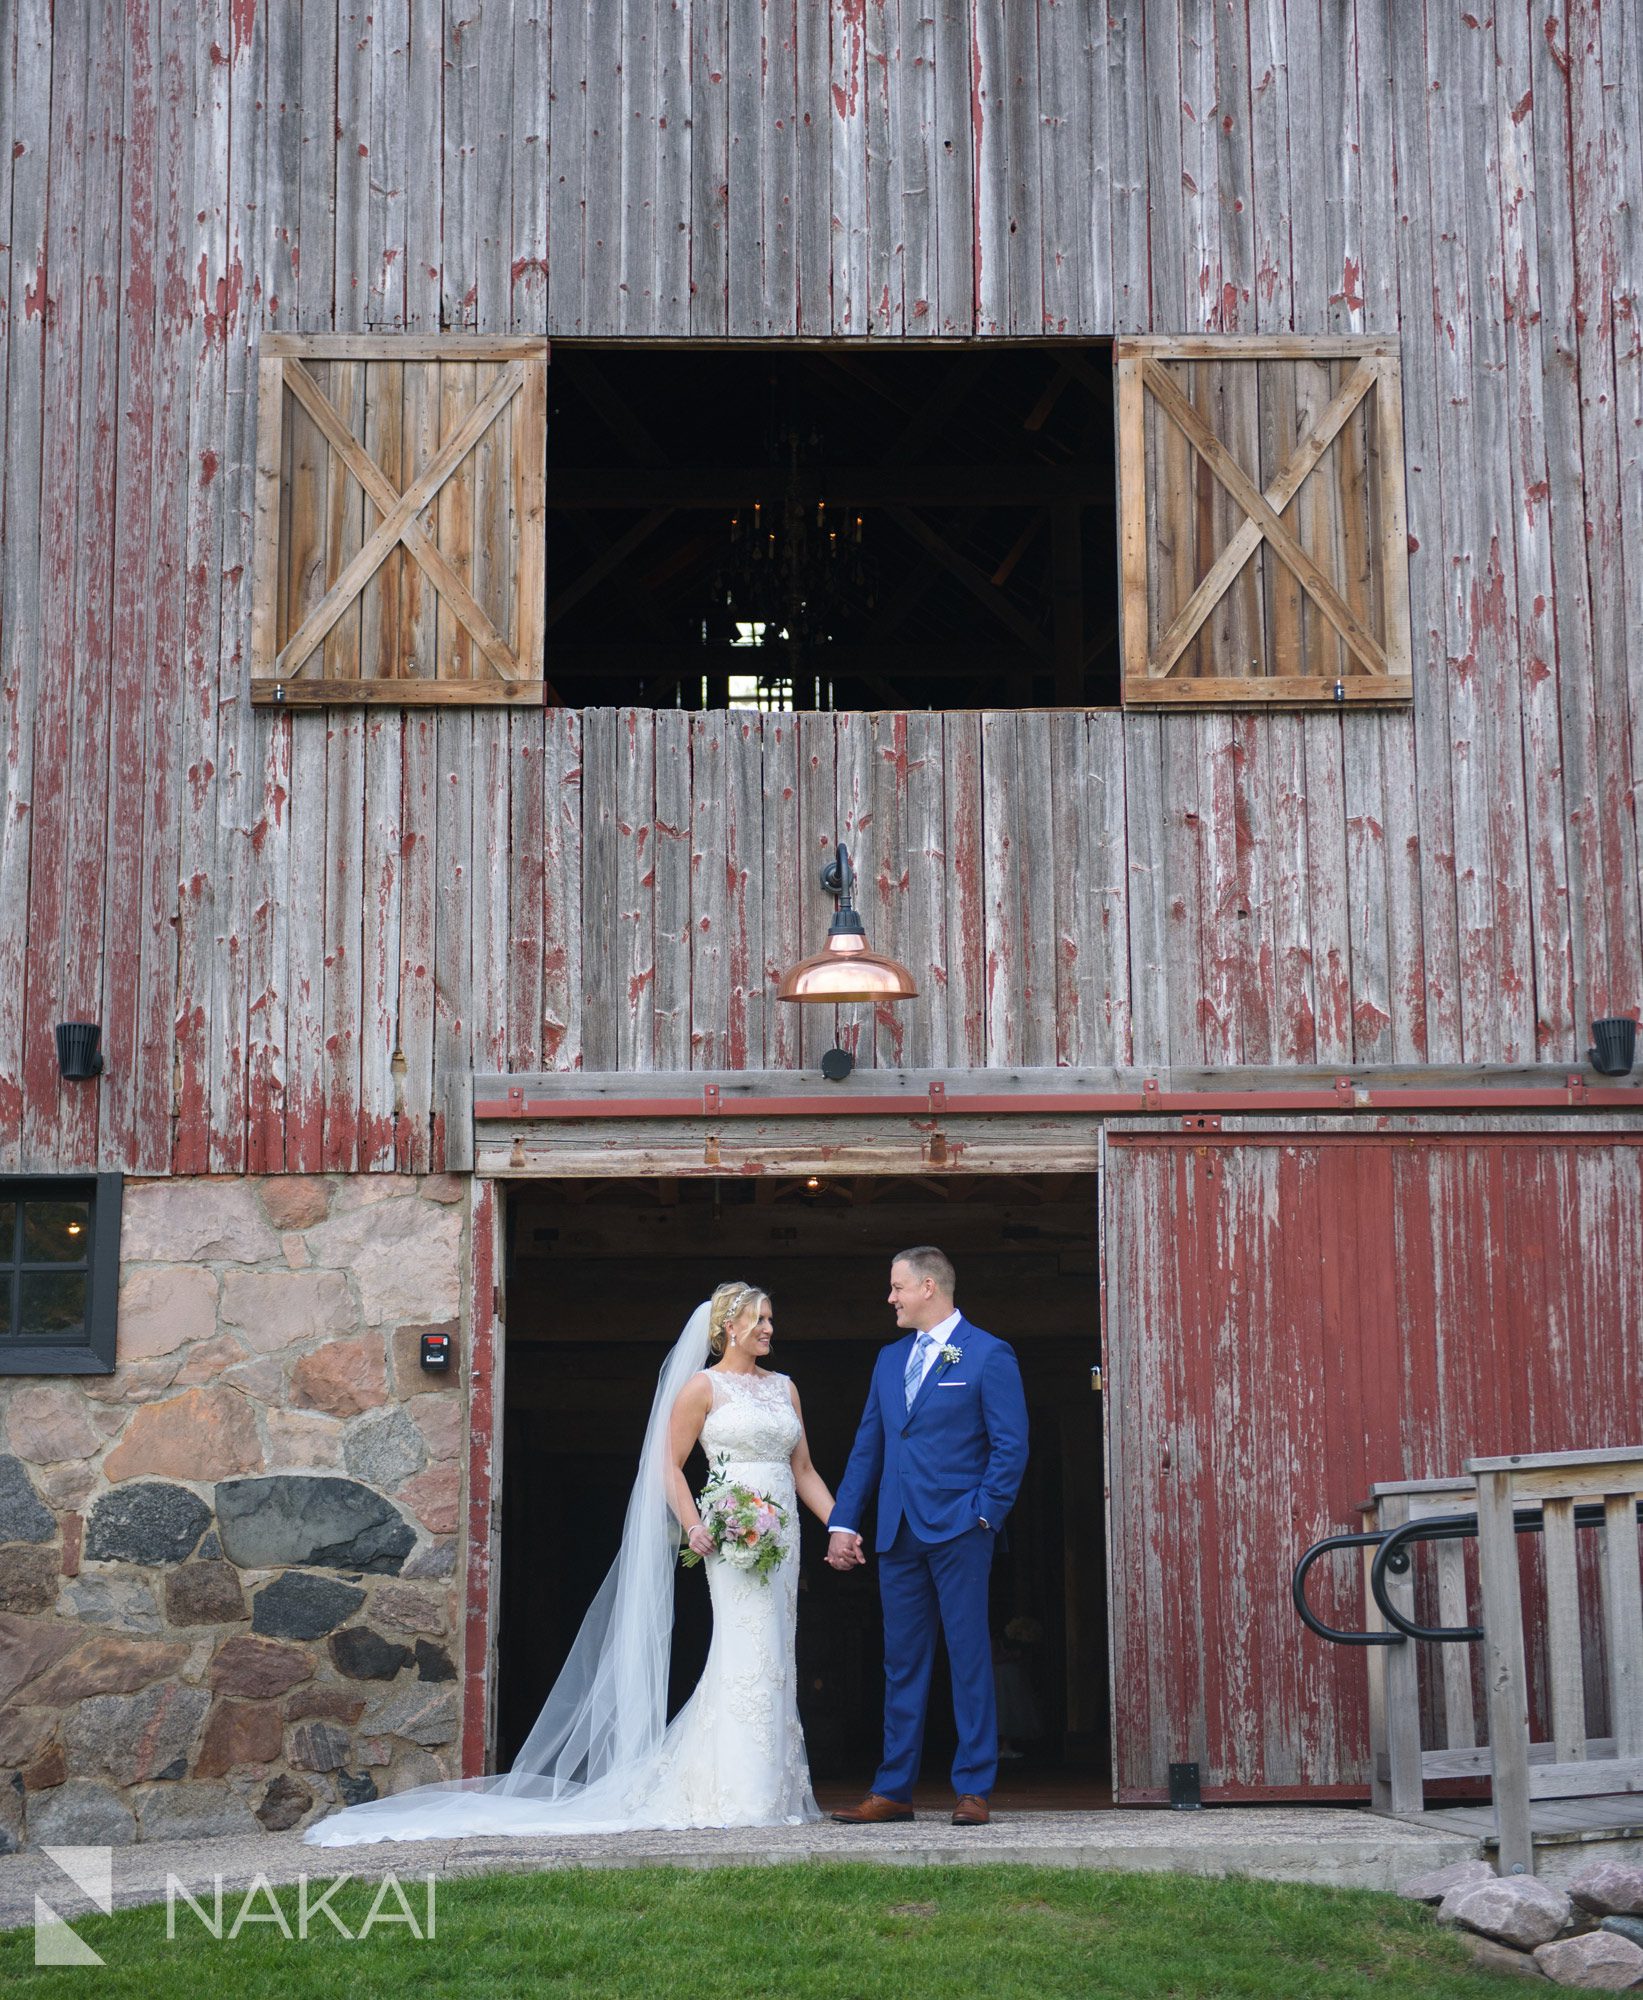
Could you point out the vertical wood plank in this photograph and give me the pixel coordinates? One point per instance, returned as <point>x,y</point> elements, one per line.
<point>879,79</point>
<point>380,956</point>
<point>457,862</point>
<point>990,165</point>
<point>813,169</point>
<point>670,867</point>
<point>1439,1024</point>
<point>710,915</point>
<point>25,48</point>
<point>635,839</point>
<point>914,143</point>
<point>527,889</point>
<point>567,165</point>
<point>344,898</point>
<point>239,762</point>
<point>744,864</point>
<point>782,897</point>
<point>601,934</point>
<point>820,828</point>
<point>847,161</point>
<point>674,170</point>
<point>1072,172</point>
<point>636,300</point>
<point>527,136</point>
<point>961,741</point>
<point>1459,1711</point>
<point>1623,1623</point>
<point>1504,1679</point>
<point>562,882</point>
<point>602,215</point>
<point>136,671</point>
<point>61,289</point>
<point>390,154</point>
<point>954,309</point>
<point>886,886</point>
<point>1566,1684</point>
<point>709,170</point>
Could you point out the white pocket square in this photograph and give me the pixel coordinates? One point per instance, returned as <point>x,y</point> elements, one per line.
<point>952,1385</point>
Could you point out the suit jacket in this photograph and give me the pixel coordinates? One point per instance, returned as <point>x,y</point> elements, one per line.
<point>956,1455</point>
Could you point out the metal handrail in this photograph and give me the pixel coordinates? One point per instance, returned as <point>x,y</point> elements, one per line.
<point>1391,1547</point>
<point>1310,1619</point>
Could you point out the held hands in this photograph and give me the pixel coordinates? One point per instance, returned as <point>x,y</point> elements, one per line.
<point>844,1550</point>
<point>700,1540</point>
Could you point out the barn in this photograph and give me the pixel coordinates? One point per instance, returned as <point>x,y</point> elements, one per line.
<point>493,498</point>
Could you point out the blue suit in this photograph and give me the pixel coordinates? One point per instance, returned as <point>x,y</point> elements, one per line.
<point>938,1468</point>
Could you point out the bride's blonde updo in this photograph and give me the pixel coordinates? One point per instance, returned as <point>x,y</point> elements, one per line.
<point>726,1304</point>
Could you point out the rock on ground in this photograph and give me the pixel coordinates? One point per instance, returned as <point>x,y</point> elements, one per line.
<point>1436,1883</point>
<point>1609,1889</point>
<point>1499,1957</point>
<point>1599,1961</point>
<point>1515,1910</point>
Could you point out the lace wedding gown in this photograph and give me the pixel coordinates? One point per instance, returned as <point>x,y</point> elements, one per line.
<point>732,1756</point>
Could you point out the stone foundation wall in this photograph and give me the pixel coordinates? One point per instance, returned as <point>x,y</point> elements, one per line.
<point>229,1571</point>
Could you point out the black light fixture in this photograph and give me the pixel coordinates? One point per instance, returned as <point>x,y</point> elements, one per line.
<point>1614,1046</point>
<point>77,1052</point>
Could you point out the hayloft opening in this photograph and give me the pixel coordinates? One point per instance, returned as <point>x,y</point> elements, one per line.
<point>601,1276</point>
<point>829,528</point>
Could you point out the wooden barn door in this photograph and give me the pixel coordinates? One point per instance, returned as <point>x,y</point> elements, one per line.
<point>1288,1318</point>
<point>1264,553</point>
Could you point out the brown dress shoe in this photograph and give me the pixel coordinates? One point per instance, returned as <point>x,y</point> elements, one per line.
<point>874,1810</point>
<point>971,1810</point>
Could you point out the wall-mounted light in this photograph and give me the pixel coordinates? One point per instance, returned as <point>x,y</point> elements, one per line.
<point>77,1053</point>
<point>846,968</point>
<point>1614,1046</point>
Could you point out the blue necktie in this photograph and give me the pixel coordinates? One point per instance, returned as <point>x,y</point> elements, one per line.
<point>915,1367</point>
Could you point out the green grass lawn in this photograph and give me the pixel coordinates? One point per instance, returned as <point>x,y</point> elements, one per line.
<point>820,1932</point>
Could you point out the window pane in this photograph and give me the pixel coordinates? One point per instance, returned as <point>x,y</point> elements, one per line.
<point>56,1232</point>
<point>5,1307</point>
<point>8,1231</point>
<point>53,1305</point>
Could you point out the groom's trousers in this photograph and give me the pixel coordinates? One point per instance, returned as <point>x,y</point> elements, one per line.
<point>923,1585</point>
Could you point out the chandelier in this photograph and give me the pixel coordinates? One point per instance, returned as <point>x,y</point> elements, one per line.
<point>793,566</point>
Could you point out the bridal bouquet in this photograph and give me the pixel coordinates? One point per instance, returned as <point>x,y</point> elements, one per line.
<point>745,1526</point>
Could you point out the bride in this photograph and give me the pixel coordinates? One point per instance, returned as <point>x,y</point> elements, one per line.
<point>602,1757</point>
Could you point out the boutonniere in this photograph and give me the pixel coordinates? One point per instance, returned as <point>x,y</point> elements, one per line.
<point>952,1355</point>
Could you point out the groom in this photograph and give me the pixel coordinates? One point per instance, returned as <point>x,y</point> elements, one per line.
<point>944,1441</point>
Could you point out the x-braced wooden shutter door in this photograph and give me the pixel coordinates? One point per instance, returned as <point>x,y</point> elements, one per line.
<point>401,502</point>
<point>1264,550</point>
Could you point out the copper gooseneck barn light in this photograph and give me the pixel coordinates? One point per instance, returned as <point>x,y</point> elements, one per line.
<point>846,968</point>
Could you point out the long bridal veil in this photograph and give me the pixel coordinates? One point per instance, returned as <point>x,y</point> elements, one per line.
<point>583,1767</point>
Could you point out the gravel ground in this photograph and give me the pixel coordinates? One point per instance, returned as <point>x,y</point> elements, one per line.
<point>1352,1849</point>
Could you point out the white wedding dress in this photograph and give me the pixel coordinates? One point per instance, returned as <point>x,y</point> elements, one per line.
<point>602,1758</point>
<point>734,1754</point>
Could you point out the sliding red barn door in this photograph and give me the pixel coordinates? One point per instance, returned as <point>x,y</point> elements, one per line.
<point>1290,1317</point>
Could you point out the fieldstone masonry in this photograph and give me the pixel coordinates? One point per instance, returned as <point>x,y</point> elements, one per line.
<point>229,1571</point>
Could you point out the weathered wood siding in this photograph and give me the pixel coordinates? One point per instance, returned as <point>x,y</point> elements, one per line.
<point>291,926</point>
<point>1289,1319</point>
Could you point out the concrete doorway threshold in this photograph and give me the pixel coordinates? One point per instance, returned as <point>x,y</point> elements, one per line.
<point>1349,1849</point>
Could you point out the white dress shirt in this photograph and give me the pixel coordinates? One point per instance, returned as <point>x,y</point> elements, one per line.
<point>938,1336</point>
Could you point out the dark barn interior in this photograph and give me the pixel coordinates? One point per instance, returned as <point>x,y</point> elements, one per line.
<point>587,1333</point>
<point>814,528</point>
